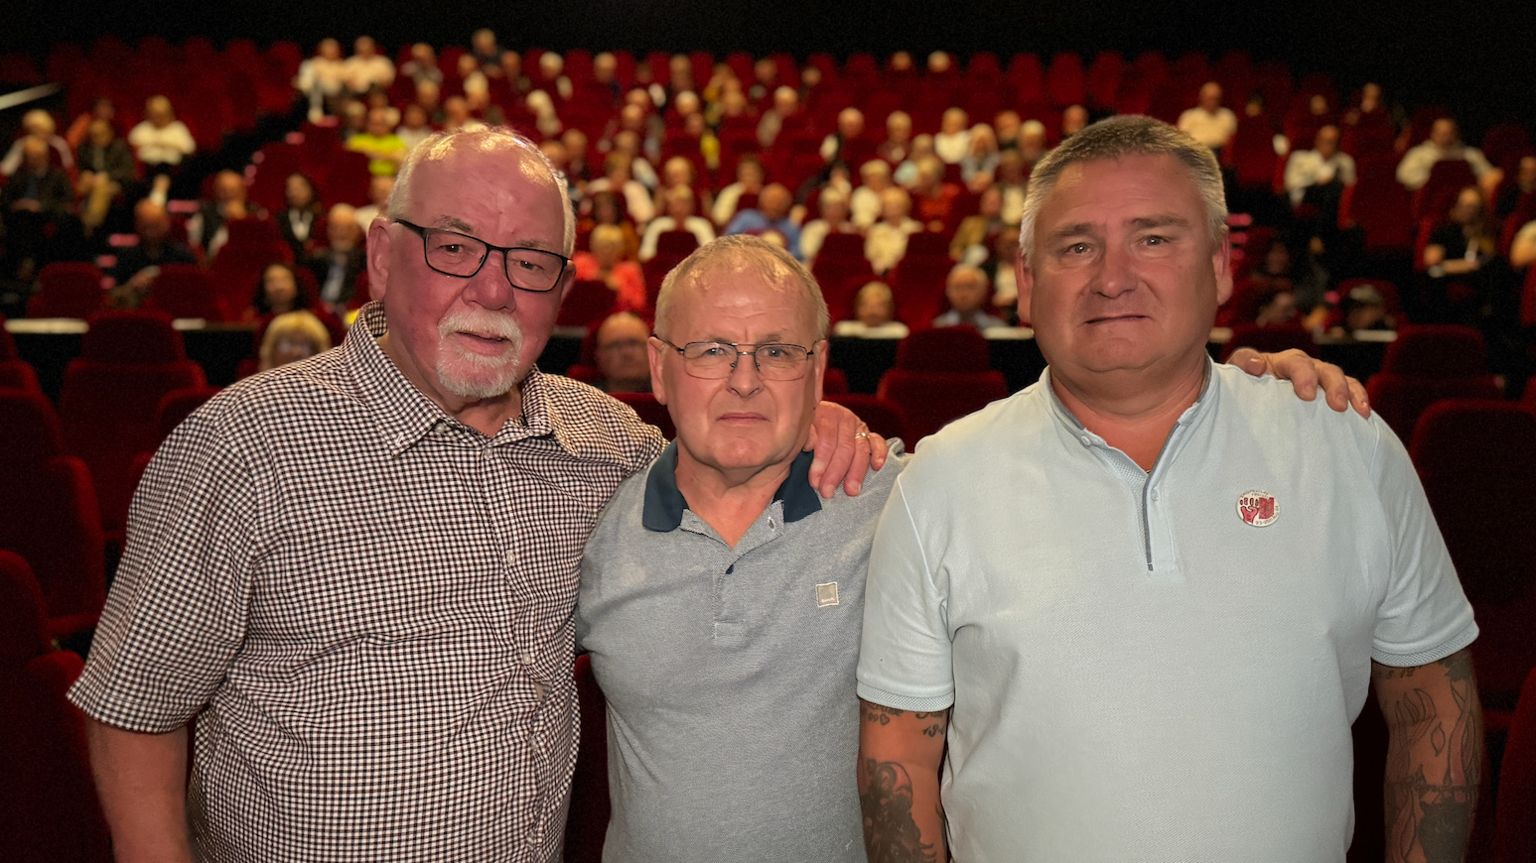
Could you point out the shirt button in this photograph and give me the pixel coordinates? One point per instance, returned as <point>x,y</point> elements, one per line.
<point>1154,494</point>
<point>511,557</point>
<point>527,657</point>
<point>1087,441</point>
<point>771,523</point>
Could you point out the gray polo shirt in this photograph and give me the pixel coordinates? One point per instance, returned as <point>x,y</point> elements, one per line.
<point>729,672</point>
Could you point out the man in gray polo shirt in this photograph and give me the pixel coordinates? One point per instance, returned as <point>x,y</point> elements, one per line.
<point>1164,662</point>
<point>720,596</point>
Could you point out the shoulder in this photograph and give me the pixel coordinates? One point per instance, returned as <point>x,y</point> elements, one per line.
<point>1269,409</point>
<point>593,424</point>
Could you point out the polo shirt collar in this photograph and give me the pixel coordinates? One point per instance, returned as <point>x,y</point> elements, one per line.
<point>1073,425</point>
<point>664,502</point>
<point>406,414</point>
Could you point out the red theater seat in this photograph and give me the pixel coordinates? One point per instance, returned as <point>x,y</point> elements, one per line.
<point>15,373</point>
<point>1424,365</point>
<point>587,825</point>
<point>1515,821</point>
<point>48,512</point>
<point>940,375</point>
<point>128,361</point>
<point>69,289</point>
<point>48,809</point>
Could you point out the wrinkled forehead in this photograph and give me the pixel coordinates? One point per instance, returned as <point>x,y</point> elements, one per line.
<point>467,178</point>
<point>740,283</point>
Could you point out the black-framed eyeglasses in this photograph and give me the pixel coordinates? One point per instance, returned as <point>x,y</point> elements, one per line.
<point>713,360</point>
<point>461,256</point>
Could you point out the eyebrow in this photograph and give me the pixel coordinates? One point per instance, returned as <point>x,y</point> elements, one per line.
<point>1160,221</point>
<point>1163,220</point>
<point>452,223</point>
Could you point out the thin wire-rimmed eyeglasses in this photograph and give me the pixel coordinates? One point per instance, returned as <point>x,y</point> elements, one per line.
<point>461,256</point>
<point>712,360</point>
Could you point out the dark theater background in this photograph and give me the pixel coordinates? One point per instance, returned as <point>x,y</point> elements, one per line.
<point>1458,361</point>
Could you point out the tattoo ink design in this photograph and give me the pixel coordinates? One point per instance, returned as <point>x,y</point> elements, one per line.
<point>1433,812</point>
<point>885,795</point>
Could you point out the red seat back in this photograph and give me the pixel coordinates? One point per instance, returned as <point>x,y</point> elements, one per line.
<point>589,302</point>
<point>1515,821</point>
<point>67,290</point>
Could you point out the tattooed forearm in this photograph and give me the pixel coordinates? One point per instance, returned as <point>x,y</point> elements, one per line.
<point>891,834</point>
<point>1434,759</point>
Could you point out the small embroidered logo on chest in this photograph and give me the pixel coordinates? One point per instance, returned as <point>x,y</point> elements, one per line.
<point>1258,508</point>
<point>826,594</point>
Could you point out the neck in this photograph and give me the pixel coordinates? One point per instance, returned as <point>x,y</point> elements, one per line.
<point>728,501</point>
<point>1132,412</point>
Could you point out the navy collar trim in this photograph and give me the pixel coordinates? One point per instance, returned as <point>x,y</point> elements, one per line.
<point>664,502</point>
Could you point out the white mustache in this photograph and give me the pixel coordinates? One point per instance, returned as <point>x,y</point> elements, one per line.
<point>481,324</point>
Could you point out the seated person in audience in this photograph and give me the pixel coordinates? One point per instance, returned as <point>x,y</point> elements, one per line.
<point>972,243</point>
<point>1032,143</point>
<point>457,116</point>
<point>551,77</point>
<point>37,124</point>
<point>1005,285</point>
<point>484,47</point>
<point>898,138</point>
<point>679,171</point>
<point>1364,310</point>
<point>415,126</point>
<point>385,149</point>
<point>678,215</point>
<point>933,199</point>
<point>906,173</point>
<point>1457,262</point>
<point>379,189</point>
<point>101,108</point>
<point>206,229</point>
<point>1522,252</point>
<point>1209,122</point>
<point>618,178</point>
<point>833,217</point>
<point>422,66</point>
<point>1520,194</point>
<point>473,83</point>
<point>885,242</point>
<point>1277,308</point>
<point>608,263</point>
<point>160,142</point>
<point>785,116</point>
<point>1289,265</point>
<point>750,179</point>
<point>953,140</point>
<point>1012,181</point>
<point>844,143</point>
<point>874,309</point>
<point>1006,125</point>
<point>34,203</point>
<point>967,290</point>
<point>322,78</point>
<point>772,214</point>
<point>875,176</point>
<point>1073,119</point>
<point>1444,144</point>
<point>291,337</point>
<point>337,264</point>
<point>1319,176</point>
<point>300,213</point>
<point>138,264</point>
<point>367,69</point>
<point>980,164</point>
<point>107,170</point>
<point>607,208</point>
<point>621,355</point>
<point>277,292</point>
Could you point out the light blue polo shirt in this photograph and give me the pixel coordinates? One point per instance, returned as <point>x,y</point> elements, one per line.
<point>1163,665</point>
<point>729,672</point>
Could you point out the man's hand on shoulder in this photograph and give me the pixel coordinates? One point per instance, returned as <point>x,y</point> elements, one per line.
<point>845,450</point>
<point>1306,375</point>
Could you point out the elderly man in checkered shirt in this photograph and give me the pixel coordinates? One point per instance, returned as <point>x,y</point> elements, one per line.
<point>356,574</point>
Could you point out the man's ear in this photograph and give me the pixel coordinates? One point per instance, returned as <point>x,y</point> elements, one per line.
<point>654,347</point>
<point>1221,265</point>
<point>378,258</point>
<point>1024,279</point>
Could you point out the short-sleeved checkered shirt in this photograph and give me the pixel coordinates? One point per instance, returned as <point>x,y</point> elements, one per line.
<point>370,604</point>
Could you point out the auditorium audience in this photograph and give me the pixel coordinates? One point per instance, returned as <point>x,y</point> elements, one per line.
<point>833,217</point>
<point>207,228</point>
<point>337,264</point>
<point>385,149</point>
<point>160,142</point>
<point>771,216</point>
<point>277,292</point>
<point>34,202</point>
<point>898,138</point>
<point>102,108</point>
<point>299,215</point>
<point>1522,252</point>
<point>1319,175</point>
<point>37,124</point>
<point>367,69</point>
<point>322,78</point>
<point>875,176</point>
<point>106,171</point>
<point>953,141</point>
<point>885,242</point>
<point>422,66</point>
<point>973,239</point>
<point>379,188</point>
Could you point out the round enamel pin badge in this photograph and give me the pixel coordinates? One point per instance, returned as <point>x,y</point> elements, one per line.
<point>1258,508</point>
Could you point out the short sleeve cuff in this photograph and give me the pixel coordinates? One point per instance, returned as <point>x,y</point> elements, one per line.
<point>1463,637</point>
<point>932,704</point>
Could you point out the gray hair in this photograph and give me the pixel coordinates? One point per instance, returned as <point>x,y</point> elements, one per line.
<point>1114,138</point>
<point>442,145</point>
<point>763,257</point>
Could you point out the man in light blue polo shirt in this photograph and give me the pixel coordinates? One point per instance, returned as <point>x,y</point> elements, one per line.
<point>1143,600</point>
